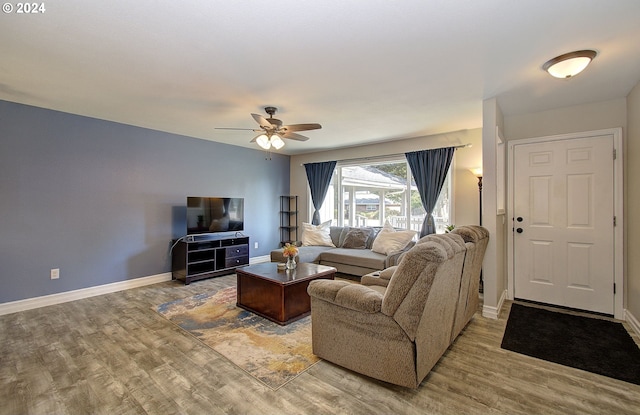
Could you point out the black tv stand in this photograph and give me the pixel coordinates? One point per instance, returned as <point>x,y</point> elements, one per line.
<point>197,257</point>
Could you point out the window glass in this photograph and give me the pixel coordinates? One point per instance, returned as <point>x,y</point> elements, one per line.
<point>369,194</point>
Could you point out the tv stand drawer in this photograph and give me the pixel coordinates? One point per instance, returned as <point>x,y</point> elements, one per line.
<point>235,241</point>
<point>236,261</point>
<point>238,250</point>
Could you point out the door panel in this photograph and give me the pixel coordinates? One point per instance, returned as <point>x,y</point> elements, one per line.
<point>564,254</point>
<point>540,201</point>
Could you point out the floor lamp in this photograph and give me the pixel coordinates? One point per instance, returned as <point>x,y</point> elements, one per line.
<point>477,171</point>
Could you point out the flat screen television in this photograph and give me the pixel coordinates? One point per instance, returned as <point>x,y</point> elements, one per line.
<point>214,214</point>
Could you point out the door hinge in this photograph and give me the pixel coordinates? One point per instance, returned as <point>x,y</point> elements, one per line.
<point>614,221</point>
<point>614,287</point>
<point>615,153</point>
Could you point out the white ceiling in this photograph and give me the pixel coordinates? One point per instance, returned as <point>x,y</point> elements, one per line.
<point>367,70</point>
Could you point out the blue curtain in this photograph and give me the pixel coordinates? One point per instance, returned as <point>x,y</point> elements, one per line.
<point>319,177</point>
<point>429,169</point>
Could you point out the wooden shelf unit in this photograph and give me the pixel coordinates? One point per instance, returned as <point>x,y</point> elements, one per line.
<point>288,219</point>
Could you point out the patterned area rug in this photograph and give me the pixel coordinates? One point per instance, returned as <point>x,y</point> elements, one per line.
<point>271,353</point>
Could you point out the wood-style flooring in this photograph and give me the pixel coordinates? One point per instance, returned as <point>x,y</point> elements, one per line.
<point>113,354</point>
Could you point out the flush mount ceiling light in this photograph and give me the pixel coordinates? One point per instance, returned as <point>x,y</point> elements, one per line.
<point>570,64</point>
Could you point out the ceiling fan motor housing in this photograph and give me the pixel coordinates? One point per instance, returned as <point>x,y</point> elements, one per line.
<point>274,121</point>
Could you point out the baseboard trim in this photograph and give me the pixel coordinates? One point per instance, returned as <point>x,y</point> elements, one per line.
<point>494,312</point>
<point>259,259</point>
<point>633,321</point>
<point>59,298</point>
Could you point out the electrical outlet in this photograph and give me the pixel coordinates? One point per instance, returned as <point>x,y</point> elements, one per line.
<point>55,273</point>
<point>255,245</point>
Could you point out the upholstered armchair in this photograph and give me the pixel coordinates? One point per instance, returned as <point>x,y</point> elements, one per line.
<point>395,333</point>
<point>476,239</point>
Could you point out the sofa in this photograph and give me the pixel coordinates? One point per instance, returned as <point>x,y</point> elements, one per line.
<point>351,250</point>
<point>406,320</point>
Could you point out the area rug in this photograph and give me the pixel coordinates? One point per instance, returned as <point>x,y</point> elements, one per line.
<point>592,344</point>
<point>269,352</point>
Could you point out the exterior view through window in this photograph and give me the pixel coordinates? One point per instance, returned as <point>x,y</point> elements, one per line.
<point>370,194</point>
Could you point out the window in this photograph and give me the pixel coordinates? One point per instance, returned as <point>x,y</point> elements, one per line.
<point>369,194</point>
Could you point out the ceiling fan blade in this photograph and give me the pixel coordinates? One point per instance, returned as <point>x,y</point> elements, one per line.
<point>263,122</point>
<point>300,127</point>
<point>239,129</point>
<point>294,136</point>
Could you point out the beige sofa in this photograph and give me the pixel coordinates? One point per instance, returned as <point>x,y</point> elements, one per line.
<point>346,260</point>
<point>396,330</point>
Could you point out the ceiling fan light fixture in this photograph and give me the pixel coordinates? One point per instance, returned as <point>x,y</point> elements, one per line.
<point>264,142</point>
<point>570,64</point>
<point>277,142</point>
<point>274,132</point>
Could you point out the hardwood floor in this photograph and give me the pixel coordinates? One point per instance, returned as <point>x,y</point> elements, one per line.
<point>113,354</point>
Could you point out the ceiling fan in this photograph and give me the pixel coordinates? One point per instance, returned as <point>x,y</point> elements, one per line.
<point>272,131</point>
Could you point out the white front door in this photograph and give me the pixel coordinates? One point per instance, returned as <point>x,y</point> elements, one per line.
<point>563,222</point>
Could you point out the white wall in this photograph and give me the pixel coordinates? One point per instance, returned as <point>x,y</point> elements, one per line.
<point>587,117</point>
<point>466,209</point>
<point>632,202</point>
<point>494,265</point>
<point>590,117</point>
<point>466,193</point>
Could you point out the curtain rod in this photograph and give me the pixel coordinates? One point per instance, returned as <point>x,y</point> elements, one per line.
<point>386,156</point>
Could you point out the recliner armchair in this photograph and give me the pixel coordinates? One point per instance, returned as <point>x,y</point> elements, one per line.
<point>395,333</point>
<point>476,239</point>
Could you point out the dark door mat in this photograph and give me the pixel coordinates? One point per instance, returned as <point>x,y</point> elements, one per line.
<point>595,345</point>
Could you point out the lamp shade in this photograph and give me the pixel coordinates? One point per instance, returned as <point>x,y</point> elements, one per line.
<point>264,142</point>
<point>477,171</point>
<point>277,142</point>
<point>569,64</point>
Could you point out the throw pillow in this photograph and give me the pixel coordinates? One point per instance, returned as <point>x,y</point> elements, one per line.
<point>343,235</point>
<point>389,240</point>
<point>316,235</point>
<point>372,237</point>
<point>356,238</point>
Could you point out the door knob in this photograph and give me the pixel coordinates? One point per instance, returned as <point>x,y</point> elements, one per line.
<point>519,230</point>
<point>519,219</point>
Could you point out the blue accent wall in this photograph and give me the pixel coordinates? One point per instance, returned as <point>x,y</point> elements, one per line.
<point>102,201</point>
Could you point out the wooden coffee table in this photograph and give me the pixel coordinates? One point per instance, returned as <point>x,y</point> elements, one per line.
<point>279,295</point>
